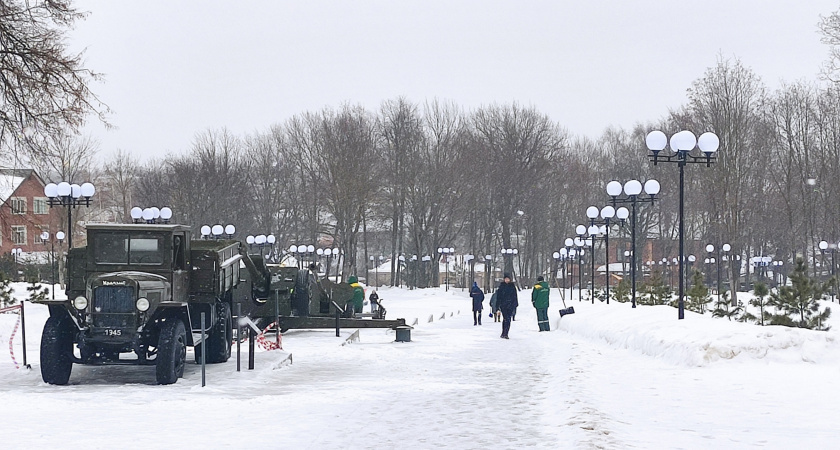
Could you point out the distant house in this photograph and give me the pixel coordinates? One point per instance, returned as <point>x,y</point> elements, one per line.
<point>24,212</point>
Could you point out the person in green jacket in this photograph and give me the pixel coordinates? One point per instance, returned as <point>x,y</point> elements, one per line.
<point>539,298</point>
<point>358,294</point>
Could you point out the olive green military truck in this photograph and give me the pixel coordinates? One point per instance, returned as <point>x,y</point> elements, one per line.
<point>136,293</point>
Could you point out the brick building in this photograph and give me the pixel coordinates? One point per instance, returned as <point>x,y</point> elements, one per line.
<point>24,213</point>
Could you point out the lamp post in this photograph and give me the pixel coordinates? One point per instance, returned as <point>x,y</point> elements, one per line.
<point>468,259</point>
<point>413,262</point>
<point>681,144</point>
<point>446,251</point>
<point>428,259</point>
<point>372,263</point>
<point>69,196</point>
<point>710,248</point>
<point>580,243</point>
<point>777,273</point>
<point>823,245</point>
<point>633,190</point>
<point>328,254</point>
<point>606,213</point>
<point>507,256</point>
<point>488,269</point>
<point>401,260</point>
<point>45,236</point>
<point>16,252</point>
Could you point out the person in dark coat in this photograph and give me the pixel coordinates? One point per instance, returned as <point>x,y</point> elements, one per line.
<point>494,308</point>
<point>507,301</point>
<point>374,302</point>
<point>477,301</point>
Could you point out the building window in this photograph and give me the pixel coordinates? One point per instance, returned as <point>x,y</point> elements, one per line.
<point>19,234</point>
<point>18,205</point>
<point>40,206</point>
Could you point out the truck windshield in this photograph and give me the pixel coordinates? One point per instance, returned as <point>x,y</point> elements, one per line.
<point>121,248</point>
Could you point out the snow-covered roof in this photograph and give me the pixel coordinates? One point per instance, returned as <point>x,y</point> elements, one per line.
<point>8,185</point>
<point>614,267</point>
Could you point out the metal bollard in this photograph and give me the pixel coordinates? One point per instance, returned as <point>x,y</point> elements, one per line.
<point>251,336</point>
<point>238,334</point>
<point>203,351</point>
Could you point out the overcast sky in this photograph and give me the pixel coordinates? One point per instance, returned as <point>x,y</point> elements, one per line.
<point>176,68</point>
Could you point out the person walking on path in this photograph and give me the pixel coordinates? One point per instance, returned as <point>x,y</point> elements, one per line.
<point>507,301</point>
<point>358,294</point>
<point>494,308</point>
<point>374,302</point>
<point>477,301</point>
<point>539,298</point>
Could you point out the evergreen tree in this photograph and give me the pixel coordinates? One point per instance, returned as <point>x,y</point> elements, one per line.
<point>724,308</point>
<point>37,292</point>
<point>798,304</point>
<point>654,291</point>
<point>621,293</point>
<point>698,294</point>
<point>760,301</point>
<point>6,298</point>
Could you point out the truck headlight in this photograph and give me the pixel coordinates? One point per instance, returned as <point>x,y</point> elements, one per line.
<point>80,303</point>
<point>142,304</point>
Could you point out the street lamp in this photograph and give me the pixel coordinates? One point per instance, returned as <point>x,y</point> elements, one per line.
<point>580,243</point>
<point>69,196</point>
<point>16,252</point>
<point>681,144</point>
<point>445,252</point>
<point>777,270</point>
<point>632,191</point>
<point>45,236</point>
<point>507,257</point>
<point>413,261</point>
<point>401,263</point>
<point>428,259</point>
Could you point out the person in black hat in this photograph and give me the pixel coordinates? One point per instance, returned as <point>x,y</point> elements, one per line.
<point>508,301</point>
<point>477,303</point>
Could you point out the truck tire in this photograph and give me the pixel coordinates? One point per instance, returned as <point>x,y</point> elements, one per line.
<point>57,349</point>
<point>219,339</point>
<point>303,294</point>
<point>171,351</point>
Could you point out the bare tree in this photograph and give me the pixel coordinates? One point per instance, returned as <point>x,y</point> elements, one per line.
<point>43,88</point>
<point>731,101</point>
<point>401,128</point>
<point>830,29</point>
<point>518,142</point>
<point>120,177</point>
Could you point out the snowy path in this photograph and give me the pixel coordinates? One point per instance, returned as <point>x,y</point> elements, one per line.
<point>594,381</point>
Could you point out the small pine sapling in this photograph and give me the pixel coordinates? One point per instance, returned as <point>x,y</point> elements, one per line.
<point>6,298</point>
<point>761,302</point>
<point>621,293</point>
<point>698,294</point>
<point>798,304</point>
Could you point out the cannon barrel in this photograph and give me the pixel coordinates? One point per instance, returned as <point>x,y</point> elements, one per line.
<point>260,275</point>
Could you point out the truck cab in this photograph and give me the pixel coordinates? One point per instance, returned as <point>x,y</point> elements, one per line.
<point>134,296</point>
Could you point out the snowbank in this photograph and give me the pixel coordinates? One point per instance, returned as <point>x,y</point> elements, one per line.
<point>698,340</point>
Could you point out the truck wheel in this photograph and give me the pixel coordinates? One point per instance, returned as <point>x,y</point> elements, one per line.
<point>57,350</point>
<point>171,351</point>
<point>219,339</point>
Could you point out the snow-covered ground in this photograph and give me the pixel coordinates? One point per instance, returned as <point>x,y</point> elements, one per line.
<point>607,376</point>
